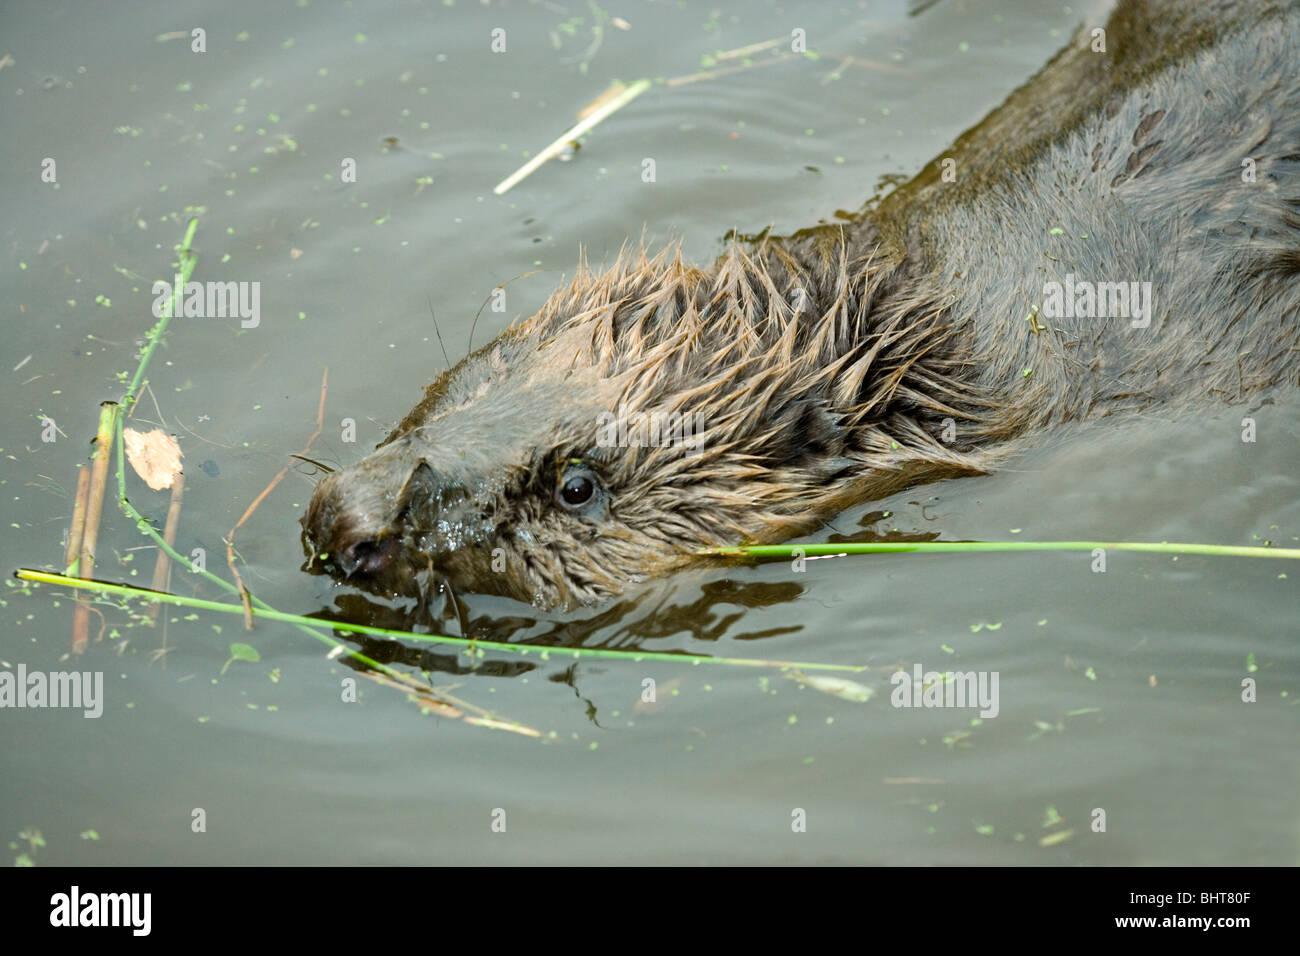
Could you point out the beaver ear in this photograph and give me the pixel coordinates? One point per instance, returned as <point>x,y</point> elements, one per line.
<point>419,489</point>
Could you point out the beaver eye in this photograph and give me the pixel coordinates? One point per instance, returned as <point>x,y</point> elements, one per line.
<point>577,491</point>
<point>577,488</point>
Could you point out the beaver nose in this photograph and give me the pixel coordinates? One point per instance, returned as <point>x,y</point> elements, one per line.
<point>367,556</point>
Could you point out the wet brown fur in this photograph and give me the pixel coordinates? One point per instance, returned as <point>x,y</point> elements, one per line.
<point>846,362</point>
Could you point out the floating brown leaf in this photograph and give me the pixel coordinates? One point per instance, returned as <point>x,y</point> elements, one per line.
<point>155,456</point>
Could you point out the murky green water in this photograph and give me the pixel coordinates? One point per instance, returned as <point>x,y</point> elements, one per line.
<point>1118,690</point>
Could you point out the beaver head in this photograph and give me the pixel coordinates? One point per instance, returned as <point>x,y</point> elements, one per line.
<point>644,413</point>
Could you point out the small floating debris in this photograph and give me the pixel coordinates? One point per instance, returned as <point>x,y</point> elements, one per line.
<point>609,102</point>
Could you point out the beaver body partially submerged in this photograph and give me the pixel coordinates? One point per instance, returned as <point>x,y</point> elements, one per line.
<point>1123,233</point>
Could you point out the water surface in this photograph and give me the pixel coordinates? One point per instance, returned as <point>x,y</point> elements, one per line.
<point>1119,690</point>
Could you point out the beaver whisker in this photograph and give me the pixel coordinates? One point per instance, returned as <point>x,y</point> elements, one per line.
<point>437,331</point>
<point>312,461</point>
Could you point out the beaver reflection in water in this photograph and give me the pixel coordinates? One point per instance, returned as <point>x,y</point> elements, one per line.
<point>1122,233</point>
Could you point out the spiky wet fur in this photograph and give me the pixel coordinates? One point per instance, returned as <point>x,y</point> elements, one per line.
<point>844,363</point>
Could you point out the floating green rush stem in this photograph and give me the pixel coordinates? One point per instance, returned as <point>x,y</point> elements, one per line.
<point>312,623</point>
<point>187,261</point>
<point>950,547</point>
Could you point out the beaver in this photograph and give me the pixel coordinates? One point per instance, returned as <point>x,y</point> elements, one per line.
<point>1123,233</point>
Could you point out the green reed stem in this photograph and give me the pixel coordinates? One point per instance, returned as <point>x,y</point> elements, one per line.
<point>951,547</point>
<point>470,644</point>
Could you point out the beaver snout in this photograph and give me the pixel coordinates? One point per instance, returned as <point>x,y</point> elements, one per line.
<point>347,550</point>
<point>367,523</point>
<point>356,534</point>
